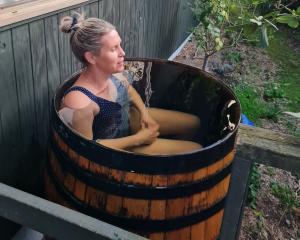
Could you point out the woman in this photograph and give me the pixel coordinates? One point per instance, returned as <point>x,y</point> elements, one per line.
<point>97,105</point>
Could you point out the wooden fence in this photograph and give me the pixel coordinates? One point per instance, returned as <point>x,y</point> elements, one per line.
<point>35,57</point>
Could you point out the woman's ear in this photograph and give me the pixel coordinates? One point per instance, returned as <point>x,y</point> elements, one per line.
<point>89,57</point>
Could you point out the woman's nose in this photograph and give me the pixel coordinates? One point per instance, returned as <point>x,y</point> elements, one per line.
<point>121,53</point>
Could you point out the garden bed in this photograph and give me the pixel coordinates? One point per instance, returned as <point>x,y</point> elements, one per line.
<point>263,79</point>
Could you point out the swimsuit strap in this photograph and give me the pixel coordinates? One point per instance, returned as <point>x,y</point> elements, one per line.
<point>86,92</point>
<point>90,95</point>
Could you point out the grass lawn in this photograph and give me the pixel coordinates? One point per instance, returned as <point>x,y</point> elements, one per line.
<point>289,61</point>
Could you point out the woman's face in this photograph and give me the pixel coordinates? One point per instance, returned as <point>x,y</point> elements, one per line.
<point>111,57</point>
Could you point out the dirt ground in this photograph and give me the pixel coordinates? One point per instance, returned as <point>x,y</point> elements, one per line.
<point>270,220</point>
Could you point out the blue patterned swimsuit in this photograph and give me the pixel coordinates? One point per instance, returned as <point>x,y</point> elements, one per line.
<point>112,121</point>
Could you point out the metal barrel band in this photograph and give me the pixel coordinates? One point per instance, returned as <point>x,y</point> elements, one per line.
<point>137,191</point>
<point>132,223</point>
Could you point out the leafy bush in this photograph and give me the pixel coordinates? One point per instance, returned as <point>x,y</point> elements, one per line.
<point>233,57</point>
<point>253,105</point>
<point>254,185</point>
<point>286,196</point>
<point>223,23</point>
<point>273,90</point>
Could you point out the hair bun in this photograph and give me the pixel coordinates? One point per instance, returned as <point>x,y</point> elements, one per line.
<point>67,24</point>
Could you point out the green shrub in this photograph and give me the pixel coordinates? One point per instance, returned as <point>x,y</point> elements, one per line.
<point>233,57</point>
<point>287,60</point>
<point>287,197</point>
<point>273,90</point>
<point>270,171</point>
<point>254,186</point>
<point>293,130</point>
<point>253,106</point>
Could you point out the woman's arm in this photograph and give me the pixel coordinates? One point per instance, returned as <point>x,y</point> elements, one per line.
<point>81,111</point>
<point>143,137</point>
<point>146,120</point>
<point>82,122</point>
<point>136,100</point>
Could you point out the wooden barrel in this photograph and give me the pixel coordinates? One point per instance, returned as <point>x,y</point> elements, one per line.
<point>161,197</point>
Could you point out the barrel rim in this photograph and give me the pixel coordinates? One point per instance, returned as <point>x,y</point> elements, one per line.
<point>206,148</point>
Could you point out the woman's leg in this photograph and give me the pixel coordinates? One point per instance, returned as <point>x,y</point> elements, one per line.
<point>179,124</point>
<point>167,147</point>
<point>171,123</point>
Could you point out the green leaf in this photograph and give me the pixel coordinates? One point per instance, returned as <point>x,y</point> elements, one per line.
<point>293,23</point>
<point>256,2</point>
<point>271,14</point>
<point>288,19</point>
<point>284,18</point>
<point>234,9</point>
<point>298,11</point>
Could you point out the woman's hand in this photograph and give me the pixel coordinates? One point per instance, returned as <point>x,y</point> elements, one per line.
<point>144,136</point>
<point>147,135</point>
<point>148,122</point>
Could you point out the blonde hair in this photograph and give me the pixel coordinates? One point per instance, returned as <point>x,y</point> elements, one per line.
<point>85,34</point>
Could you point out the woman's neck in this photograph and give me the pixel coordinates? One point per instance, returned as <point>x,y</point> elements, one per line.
<point>95,78</point>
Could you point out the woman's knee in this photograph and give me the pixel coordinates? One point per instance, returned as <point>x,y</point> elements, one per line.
<point>194,122</point>
<point>195,145</point>
<point>191,127</point>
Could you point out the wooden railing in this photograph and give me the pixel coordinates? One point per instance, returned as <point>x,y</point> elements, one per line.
<point>269,148</point>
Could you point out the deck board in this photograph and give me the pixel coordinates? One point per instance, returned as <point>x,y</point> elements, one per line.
<point>28,10</point>
<point>270,148</point>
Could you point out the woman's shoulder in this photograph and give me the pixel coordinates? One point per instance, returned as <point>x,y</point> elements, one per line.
<point>77,98</point>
